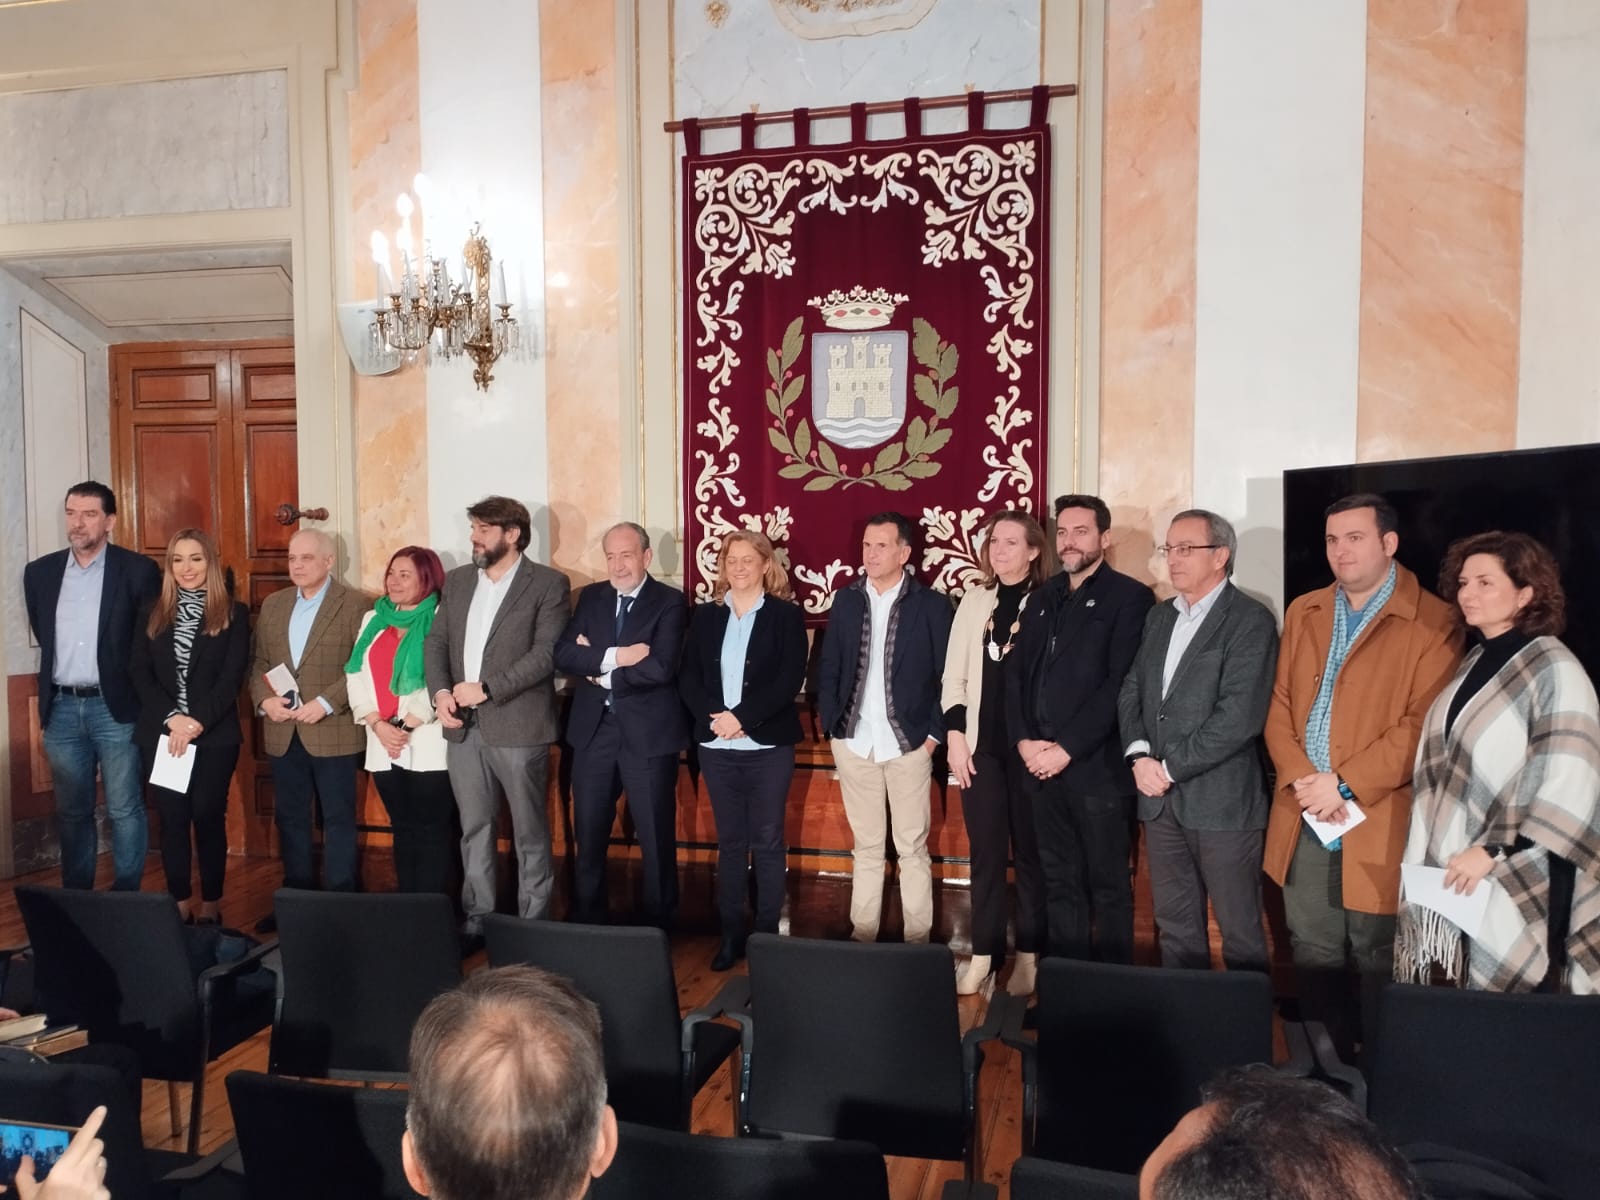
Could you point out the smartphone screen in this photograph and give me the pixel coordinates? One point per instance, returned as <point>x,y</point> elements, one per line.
<point>45,1144</point>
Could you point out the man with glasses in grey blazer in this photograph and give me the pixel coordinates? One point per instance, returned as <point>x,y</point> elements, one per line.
<point>490,659</point>
<point>1191,714</point>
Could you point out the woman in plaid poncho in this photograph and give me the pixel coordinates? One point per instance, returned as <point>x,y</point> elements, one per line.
<point>1507,785</point>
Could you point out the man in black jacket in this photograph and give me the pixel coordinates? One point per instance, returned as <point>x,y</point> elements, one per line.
<point>878,683</point>
<point>1080,634</point>
<point>627,726</point>
<point>83,604</point>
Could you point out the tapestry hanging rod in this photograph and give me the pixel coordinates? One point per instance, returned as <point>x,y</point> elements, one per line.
<point>877,106</point>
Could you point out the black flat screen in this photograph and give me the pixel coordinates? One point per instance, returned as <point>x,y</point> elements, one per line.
<point>1552,494</point>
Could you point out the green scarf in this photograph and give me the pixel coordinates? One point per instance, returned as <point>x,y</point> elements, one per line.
<point>408,671</point>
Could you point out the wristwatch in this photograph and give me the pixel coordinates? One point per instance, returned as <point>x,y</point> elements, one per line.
<point>1137,755</point>
<point>1496,852</point>
<point>1344,789</point>
<point>487,694</point>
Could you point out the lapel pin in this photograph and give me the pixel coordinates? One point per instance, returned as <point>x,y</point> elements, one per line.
<point>1088,603</point>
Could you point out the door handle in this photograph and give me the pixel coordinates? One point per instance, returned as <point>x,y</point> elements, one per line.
<point>288,514</point>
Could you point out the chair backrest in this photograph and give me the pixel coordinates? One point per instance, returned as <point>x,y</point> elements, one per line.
<point>51,1093</point>
<point>318,1140</point>
<point>116,963</point>
<point>1123,1051</point>
<point>856,1041</point>
<point>1515,1077</point>
<point>1040,1179</point>
<point>357,972</point>
<point>627,972</point>
<point>663,1164</point>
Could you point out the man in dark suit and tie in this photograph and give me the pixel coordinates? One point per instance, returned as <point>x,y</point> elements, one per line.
<point>491,671</point>
<point>1191,714</point>
<point>83,603</point>
<point>1080,633</point>
<point>627,726</point>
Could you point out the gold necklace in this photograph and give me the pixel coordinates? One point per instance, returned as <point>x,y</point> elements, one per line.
<point>996,651</point>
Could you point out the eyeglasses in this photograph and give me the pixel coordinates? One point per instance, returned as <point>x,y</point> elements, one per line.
<point>1184,549</point>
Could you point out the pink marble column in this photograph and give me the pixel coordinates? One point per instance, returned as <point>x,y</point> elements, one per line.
<point>583,224</point>
<point>391,417</point>
<point>1441,260</point>
<point>1148,222</point>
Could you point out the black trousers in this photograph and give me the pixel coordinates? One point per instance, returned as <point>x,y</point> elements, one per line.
<point>601,772</point>
<point>302,781</point>
<point>1083,851</point>
<point>421,810</point>
<point>749,792</point>
<point>1000,826</point>
<point>204,807</point>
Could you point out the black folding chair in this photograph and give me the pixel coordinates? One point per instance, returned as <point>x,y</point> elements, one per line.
<point>1041,1179</point>
<point>318,1141</point>
<point>862,1042</point>
<point>357,971</point>
<point>661,1164</point>
<point>655,1062</point>
<point>119,964</point>
<point>1514,1077</point>
<point>1123,1051</point>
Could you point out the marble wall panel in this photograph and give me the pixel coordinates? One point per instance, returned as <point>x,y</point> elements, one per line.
<point>729,58</point>
<point>21,656</point>
<point>390,410</point>
<point>209,144</point>
<point>1441,232</point>
<point>583,228</point>
<point>1148,214</point>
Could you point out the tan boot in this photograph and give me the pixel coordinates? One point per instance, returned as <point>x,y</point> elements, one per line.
<point>970,978</point>
<point>1023,975</point>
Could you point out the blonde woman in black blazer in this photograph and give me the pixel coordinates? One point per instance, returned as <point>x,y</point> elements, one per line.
<point>744,662</point>
<point>190,652</point>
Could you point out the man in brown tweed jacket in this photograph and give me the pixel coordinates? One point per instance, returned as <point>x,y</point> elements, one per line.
<point>313,746</point>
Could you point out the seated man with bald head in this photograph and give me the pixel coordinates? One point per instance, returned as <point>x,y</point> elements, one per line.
<point>1262,1135</point>
<point>312,745</point>
<point>508,1091</point>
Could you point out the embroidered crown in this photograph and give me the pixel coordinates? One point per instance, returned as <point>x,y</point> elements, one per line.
<point>858,308</point>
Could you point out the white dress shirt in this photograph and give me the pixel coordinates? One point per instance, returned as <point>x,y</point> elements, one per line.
<point>608,661</point>
<point>486,601</point>
<point>1190,618</point>
<point>874,737</point>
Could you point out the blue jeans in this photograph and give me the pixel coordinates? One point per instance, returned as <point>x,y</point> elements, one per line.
<point>80,735</point>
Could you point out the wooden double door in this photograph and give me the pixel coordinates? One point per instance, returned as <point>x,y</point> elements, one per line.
<point>204,438</point>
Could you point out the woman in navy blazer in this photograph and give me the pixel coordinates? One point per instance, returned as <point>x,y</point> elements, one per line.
<point>191,649</point>
<point>743,665</point>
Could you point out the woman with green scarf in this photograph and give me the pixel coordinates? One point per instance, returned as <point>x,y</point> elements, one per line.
<point>405,744</point>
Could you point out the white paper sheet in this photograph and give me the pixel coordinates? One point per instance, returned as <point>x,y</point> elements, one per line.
<point>281,680</point>
<point>1327,831</point>
<point>169,772</point>
<point>1425,886</point>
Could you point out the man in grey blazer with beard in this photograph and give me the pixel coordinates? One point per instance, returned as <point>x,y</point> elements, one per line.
<point>491,672</point>
<point>1191,713</point>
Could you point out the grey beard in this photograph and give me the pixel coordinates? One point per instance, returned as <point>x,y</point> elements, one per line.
<point>1089,560</point>
<point>484,561</point>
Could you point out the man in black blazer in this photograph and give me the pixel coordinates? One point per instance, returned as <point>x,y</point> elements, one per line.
<point>1080,633</point>
<point>83,604</point>
<point>1191,713</point>
<point>878,684</point>
<point>627,725</point>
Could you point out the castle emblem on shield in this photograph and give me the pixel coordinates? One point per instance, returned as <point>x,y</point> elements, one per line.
<point>858,374</point>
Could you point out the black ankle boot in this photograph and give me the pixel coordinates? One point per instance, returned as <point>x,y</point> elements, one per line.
<point>730,952</point>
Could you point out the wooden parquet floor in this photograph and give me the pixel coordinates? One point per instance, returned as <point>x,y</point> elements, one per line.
<point>251,882</point>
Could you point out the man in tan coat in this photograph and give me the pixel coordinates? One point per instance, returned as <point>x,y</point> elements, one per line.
<point>312,745</point>
<point>1360,662</point>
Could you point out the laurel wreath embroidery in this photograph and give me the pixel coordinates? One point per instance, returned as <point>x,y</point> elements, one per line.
<point>814,459</point>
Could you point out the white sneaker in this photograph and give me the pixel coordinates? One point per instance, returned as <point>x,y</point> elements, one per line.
<point>970,976</point>
<point>1023,975</point>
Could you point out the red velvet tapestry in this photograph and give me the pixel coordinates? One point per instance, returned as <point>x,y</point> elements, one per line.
<point>866,328</point>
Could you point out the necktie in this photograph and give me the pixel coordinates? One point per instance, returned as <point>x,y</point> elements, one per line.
<point>625,603</point>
